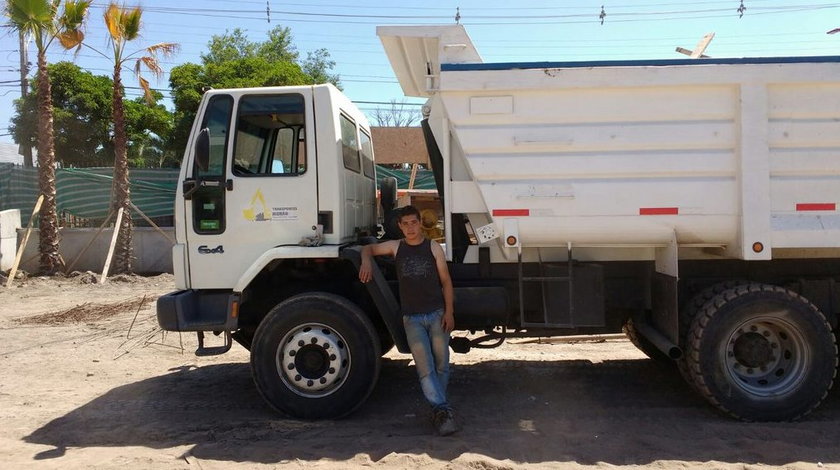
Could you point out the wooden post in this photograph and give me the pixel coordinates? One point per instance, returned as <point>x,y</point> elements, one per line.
<point>413,176</point>
<point>111,248</point>
<point>22,246</point>
<point>95,236</point>
<point>147,219</point>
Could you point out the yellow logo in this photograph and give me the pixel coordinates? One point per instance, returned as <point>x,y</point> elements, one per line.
<point>258,211</point>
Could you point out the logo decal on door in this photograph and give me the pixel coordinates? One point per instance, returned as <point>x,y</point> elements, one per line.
<point>257,211</point>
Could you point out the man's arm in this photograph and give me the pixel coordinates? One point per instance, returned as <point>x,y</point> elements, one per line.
<point>377,249</point>
<point>445,284</point>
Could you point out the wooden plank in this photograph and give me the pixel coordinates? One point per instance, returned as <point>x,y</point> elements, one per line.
<point>147,219</point>
<point>111,248</point>
<point>702,45</point>
<point>413,176</point>
<point>22,247</point>
<point>90,242</point>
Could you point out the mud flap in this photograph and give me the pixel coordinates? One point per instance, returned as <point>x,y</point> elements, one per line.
<point>383,298</point>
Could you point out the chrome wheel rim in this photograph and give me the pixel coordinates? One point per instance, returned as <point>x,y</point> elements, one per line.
<point>313,360</point>
<point>766,356</point>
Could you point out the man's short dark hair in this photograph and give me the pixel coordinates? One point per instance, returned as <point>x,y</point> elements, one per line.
<point>409,210</point>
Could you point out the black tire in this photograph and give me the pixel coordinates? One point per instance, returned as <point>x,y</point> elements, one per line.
<point>315,355</point>
<point>689,311</point>
<point>762,353</point>
<point>643,344</point>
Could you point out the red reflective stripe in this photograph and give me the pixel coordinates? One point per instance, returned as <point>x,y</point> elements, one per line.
<point>659,210</point>
<point>511,212</point>
<point>822,206</point>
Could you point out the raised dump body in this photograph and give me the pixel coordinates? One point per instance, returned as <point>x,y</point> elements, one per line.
<point>742,154</point>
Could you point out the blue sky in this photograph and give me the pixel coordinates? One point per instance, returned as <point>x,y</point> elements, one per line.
<point>503,31</point>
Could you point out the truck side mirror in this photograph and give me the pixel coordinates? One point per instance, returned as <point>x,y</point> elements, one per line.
<point>202,149</point>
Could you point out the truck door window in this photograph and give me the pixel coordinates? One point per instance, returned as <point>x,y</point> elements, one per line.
<point>367,155</point>
<point>349,145</point>
<point>270,137</point>
<point>209,199</point>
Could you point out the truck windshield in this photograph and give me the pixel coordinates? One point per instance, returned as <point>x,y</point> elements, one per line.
<point>270,136</point>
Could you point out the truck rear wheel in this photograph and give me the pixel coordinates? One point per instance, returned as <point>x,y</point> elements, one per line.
<point>689,312</point>
<point>642,344</point>
<point>761,352</point>
<point>315,355</point>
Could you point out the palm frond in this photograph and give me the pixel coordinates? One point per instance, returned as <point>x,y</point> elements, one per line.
<point>165,49</point>
<point>112,16</point>
<point>147,90</point>
<point>152,64</point>
<point>74,14</point>
<point>30,16</point>
<point>71,38</point>
<point>130,23</point>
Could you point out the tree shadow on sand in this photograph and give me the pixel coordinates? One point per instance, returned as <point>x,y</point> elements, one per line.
<point>619,412</point>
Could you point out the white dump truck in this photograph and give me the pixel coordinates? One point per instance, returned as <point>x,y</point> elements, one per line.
<point>691,203</point>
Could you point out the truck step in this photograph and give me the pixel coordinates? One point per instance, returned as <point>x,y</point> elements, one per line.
<point>213,350</point>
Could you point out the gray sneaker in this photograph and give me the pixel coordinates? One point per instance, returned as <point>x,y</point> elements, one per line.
<point>444,422</point>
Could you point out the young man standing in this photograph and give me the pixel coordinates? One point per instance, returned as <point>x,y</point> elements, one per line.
<point>426,303</point>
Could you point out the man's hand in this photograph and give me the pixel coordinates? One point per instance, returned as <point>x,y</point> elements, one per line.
<point>447,321</point>
<point>366,270</point>
<point>376,249</point>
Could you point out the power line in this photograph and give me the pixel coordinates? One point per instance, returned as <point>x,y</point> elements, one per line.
<point>343,17</point>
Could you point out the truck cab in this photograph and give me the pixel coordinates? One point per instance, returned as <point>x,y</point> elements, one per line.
<point>268,175</point>
<point>263,180</point>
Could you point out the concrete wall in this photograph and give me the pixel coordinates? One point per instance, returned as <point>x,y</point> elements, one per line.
<point>152,251</point>
<point>9,224</point>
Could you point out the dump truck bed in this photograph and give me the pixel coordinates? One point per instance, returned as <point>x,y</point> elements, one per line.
<point>738,153</point>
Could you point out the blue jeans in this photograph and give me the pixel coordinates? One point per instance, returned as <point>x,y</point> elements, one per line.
<point>429,344</point>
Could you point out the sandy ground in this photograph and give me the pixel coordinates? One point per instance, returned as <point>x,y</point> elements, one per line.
<point>76,392</point>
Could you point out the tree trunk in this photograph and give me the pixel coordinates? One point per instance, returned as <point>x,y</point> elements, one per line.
<point>122,195</point>
<point>49,236</point>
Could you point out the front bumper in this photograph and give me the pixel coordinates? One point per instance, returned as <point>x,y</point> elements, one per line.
<point>198,310</point>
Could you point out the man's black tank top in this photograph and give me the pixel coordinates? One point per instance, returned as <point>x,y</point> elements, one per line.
<point>420,289</point>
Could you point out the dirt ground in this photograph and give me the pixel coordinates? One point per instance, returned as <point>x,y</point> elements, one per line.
<point>89,382</point>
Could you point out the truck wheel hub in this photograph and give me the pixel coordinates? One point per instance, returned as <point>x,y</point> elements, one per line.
<point>313,360</point>
<point>752,350</point>
<point>767,356</point>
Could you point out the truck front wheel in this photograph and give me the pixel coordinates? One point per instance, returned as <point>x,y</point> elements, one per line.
<point>315,355</point>
<point>761,352</point>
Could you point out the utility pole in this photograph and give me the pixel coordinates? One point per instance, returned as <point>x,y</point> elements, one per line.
<point>24,148</point>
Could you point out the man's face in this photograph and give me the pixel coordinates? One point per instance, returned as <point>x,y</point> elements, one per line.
<point>410,226</point>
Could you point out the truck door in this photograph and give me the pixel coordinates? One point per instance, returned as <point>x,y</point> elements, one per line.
<point>258,190</point>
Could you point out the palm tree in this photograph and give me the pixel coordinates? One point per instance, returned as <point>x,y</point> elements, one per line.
<point>124,26</point>
<point>40,20</point>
